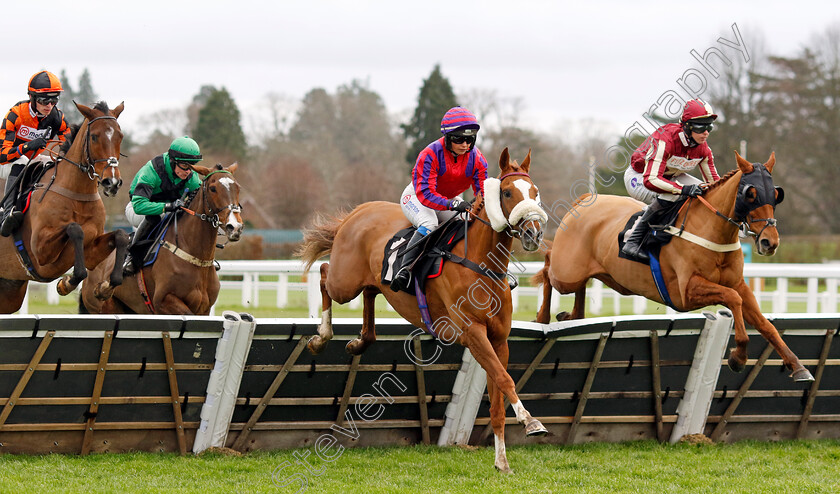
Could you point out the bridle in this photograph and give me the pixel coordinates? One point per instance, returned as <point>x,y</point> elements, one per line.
<point>743,224</point>
<point>210,215</point>
<point>88,166</point>
<point>510,229</point>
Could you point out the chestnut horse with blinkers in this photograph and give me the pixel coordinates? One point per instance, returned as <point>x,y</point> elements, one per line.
<point>64,225</point>
<point>356,243</point>
<point>702,265</point>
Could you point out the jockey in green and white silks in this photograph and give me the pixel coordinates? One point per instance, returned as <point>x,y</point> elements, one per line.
<point>158,187</point>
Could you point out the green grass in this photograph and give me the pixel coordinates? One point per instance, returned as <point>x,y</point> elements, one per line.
<point>643,467</point>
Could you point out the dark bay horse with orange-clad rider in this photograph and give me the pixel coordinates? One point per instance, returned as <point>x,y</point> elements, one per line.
<point>702,264</point>
<point>356,244</point>
<point>63,226</point>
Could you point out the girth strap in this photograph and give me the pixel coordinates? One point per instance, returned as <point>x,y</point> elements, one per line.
<point>468,264</point>
<point>25,259</point>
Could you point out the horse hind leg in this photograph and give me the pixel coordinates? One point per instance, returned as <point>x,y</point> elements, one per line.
<point>544,312</point>
<point>579,309</point>
<point>368,334</point>
<point>69,282</point>
<point>325,330</point>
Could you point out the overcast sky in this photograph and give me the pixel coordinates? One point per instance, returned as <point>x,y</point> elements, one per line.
<point>606,61</point>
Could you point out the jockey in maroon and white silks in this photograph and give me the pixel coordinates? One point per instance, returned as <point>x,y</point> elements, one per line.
<point>658,171</point>
<point>664,156</point>
<point>444,169</point>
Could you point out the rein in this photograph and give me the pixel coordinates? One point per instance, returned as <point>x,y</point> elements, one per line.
<point>742,225</point>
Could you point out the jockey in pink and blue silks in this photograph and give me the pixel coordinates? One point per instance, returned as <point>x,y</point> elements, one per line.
<point>444,169</point>
<point>658,171</point>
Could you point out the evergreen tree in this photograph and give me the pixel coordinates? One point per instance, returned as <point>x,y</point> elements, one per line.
<point>84,95</point>
<point>436,97</point>
<point>218,129</point>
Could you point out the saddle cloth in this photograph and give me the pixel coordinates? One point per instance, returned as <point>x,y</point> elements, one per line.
<point>655,237</point>
<point>427,266</point>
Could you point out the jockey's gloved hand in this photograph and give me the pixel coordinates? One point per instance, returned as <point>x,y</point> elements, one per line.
<point>37,143</point>
<point>691,190</point>
<point>173,206</point>
<point>456,204</point>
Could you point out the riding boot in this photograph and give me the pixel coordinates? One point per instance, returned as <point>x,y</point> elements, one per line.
<point>131,261</point>
<point>11,218</point>
<point>633,245</point>
<point>402,279</point>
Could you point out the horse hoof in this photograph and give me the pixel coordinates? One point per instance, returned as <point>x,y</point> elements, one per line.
<point>503,469</point>
<point>316,345</point>
<point>802,375</point>
<point>64,287</point>
<point>736,365</point>
<point>355,347</point>
<point>563,316</point>
<point>103,291</point>
<point>535,428</point>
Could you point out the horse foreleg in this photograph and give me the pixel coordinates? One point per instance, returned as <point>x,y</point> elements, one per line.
<point>490,356</point>
<point>753,315</point>
<point>700,292</point>
<point>325,331</point>
<point>368,334</point>
<point>115,241</point>
<point>171,304</point>
<point>497,420</point>
<point>68,283</point>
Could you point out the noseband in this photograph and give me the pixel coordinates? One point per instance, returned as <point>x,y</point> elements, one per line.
<point>511,230</point>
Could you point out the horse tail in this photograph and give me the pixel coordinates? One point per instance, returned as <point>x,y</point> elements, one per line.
<point>318,238</point>
<point>541,278</point>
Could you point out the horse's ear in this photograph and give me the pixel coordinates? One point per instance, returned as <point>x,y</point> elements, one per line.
<point>743,165</point>
<point>771,162</point>
<point>116,111</point>
<point>232,168</point>
<point>504,161</point>
<point>201,170</point>
<point>84,110</point>
<point>526,163</point>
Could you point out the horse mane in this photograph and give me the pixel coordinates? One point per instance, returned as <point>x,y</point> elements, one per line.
<point>102,106</point>
<point>65,146</point>
<point>722,180</point>
<point>74,128</point>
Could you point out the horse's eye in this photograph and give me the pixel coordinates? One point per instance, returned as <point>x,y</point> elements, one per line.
<point>507,194</point>
<point>212,188</point>
<point>94,137</point>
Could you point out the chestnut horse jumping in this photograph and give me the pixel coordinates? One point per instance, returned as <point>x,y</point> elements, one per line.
<point>183,279</point>
<point>356,244</point>
<point>64,226</point>
<point>703,267</point>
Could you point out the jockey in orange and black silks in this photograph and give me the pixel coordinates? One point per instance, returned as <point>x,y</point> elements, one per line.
<point>26,130</point>
<point>659,167</point>
<point>443,170</point>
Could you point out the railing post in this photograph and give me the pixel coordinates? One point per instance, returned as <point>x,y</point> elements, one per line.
<point>282,290</point>
<point>703,375</point>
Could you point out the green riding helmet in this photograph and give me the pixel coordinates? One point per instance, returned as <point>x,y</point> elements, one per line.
<point>184,149</point>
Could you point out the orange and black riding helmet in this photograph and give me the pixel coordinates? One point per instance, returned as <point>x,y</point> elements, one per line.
<point>44,84</point>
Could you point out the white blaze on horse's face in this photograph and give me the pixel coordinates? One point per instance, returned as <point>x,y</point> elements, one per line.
<point>227,182</point>
<point>524,186</point>
<point>109,133</point>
